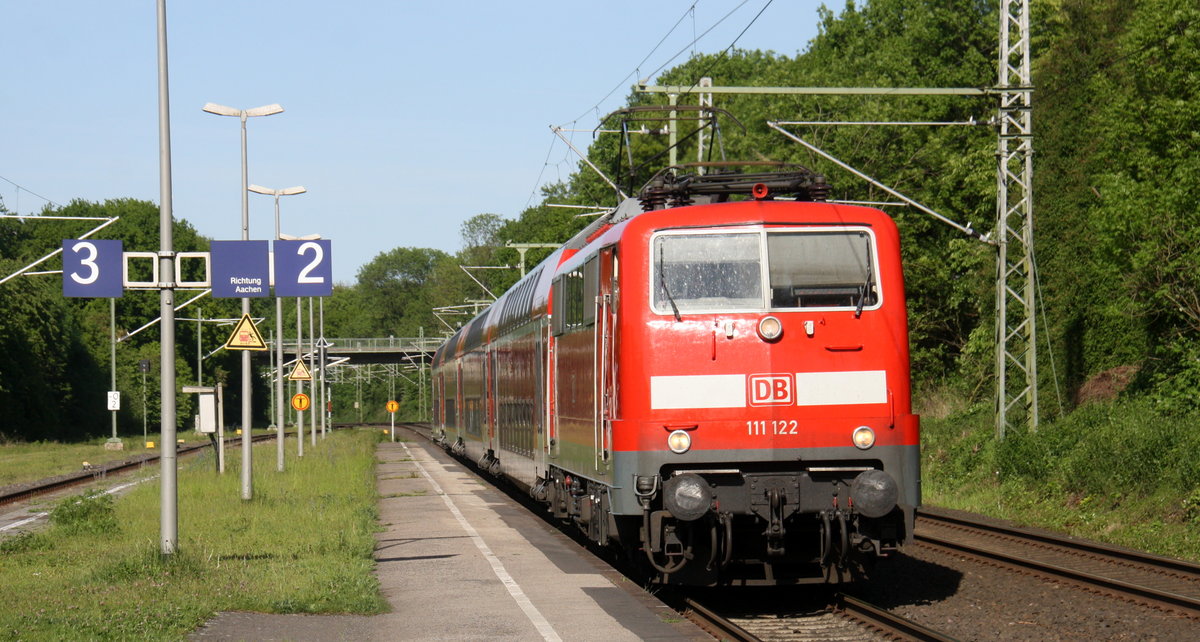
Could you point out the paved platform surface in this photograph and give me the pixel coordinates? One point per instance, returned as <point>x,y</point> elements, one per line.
<point>458,560</point>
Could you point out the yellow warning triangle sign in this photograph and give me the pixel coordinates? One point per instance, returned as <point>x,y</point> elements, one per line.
<point>245,336</point>
<point>300,372</point>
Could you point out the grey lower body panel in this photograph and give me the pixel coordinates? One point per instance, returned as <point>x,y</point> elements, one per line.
<point>901,462</point>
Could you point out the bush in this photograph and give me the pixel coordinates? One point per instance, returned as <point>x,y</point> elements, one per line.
<point>92,512</point>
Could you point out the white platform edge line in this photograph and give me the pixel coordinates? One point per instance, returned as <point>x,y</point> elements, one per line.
<point>535,616</point>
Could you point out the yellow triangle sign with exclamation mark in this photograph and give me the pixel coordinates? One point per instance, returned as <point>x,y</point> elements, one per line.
<point>245,336</point>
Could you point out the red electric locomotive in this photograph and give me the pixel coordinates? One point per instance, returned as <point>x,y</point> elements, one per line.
<point>719,387</point>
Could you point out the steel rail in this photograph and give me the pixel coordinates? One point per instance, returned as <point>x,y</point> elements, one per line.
<point>709,618</point>
<point>1096,548</point>
<point>68,480</point>
<point>1173,599</point>
<point>890,622</point>
<point>1186,603</point>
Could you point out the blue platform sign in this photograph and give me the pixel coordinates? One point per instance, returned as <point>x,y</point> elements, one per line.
<point>240,269</point>
<point>93,268</point>
<point>303,268</point>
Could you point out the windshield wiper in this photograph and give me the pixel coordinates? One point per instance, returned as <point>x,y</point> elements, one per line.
<point>866,286</point>
<point>662,278</point>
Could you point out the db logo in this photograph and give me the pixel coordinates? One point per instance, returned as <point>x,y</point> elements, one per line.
<point>771,389</point>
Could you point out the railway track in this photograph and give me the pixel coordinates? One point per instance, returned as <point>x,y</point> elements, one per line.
<point>24,492</point>
<point>847,619</point>
<point>1159,582</point>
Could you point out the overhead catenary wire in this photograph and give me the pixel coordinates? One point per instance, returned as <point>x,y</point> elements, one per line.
<point>637,69</point>
<point>706,32</point>
<point>22,188</point>
<point>636,73</point>
<point>726,50</point>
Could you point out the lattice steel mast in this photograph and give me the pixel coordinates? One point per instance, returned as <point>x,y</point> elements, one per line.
<point>1016,330</point>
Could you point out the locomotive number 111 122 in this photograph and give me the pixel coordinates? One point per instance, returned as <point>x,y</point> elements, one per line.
<point>772,427</point>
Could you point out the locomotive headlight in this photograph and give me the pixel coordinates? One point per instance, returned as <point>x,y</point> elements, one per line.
<point>687,496</point>
<point>863,437</point>
<point>770,328</point>
<point>679,441</point>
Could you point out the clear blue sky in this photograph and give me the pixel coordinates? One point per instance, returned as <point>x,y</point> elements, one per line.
<point>403,118</point>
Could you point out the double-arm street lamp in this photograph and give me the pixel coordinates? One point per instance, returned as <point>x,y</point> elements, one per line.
<point>243,114</point>
<point>280,375</point>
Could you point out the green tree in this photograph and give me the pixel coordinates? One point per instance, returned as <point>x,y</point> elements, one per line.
<point>396,291</point>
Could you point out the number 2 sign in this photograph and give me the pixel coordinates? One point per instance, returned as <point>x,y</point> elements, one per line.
<point>92,268</point>
<point>303,268</point>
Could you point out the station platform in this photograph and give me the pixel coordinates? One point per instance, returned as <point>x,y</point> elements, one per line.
<point>458,560</point>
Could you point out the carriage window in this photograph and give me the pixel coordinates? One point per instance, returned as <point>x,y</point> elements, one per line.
<point>706,272</point>
<point>591,287</point>
<point>571,305</point>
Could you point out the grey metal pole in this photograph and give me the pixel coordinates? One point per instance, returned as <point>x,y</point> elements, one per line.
<point>143,365</point>
<point>272,369</point>
<point>247,410</point>
<point>311,350</point>
<point>324,412</point>
<point>299,384</point>
<point>199,353</point>
<point>112,331</point>
<point>169,518</point>
<point>279,402</point>
<point>220,427</point>
<point>421,371</point>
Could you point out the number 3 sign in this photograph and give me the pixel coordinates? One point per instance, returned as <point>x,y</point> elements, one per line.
<point>92,268</point>
<point>303,268</point>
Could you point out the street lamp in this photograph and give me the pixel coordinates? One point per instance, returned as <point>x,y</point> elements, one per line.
<point>279,403</point>
<point>243,114</point>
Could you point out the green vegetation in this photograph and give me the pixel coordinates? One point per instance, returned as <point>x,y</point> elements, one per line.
<point>302,545</point>
<point>1125,473</point>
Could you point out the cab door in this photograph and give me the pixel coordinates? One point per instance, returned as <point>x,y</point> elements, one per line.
<point>605,364</point>
<point>489,378</point>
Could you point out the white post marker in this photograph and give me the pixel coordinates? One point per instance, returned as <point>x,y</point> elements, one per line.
<point>392,407</point>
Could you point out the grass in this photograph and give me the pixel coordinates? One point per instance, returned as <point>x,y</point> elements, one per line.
<point>1123,472</point>
<point>302,545</point>
<point>31,461</point>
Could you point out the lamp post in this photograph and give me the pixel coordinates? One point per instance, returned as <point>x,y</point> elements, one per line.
<point>279,403</point>
<point>300,350</point>
<point>243,114</point>
<point>169,485</point>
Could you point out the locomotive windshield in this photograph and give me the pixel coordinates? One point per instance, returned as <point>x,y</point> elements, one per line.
<point>709,272</point>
